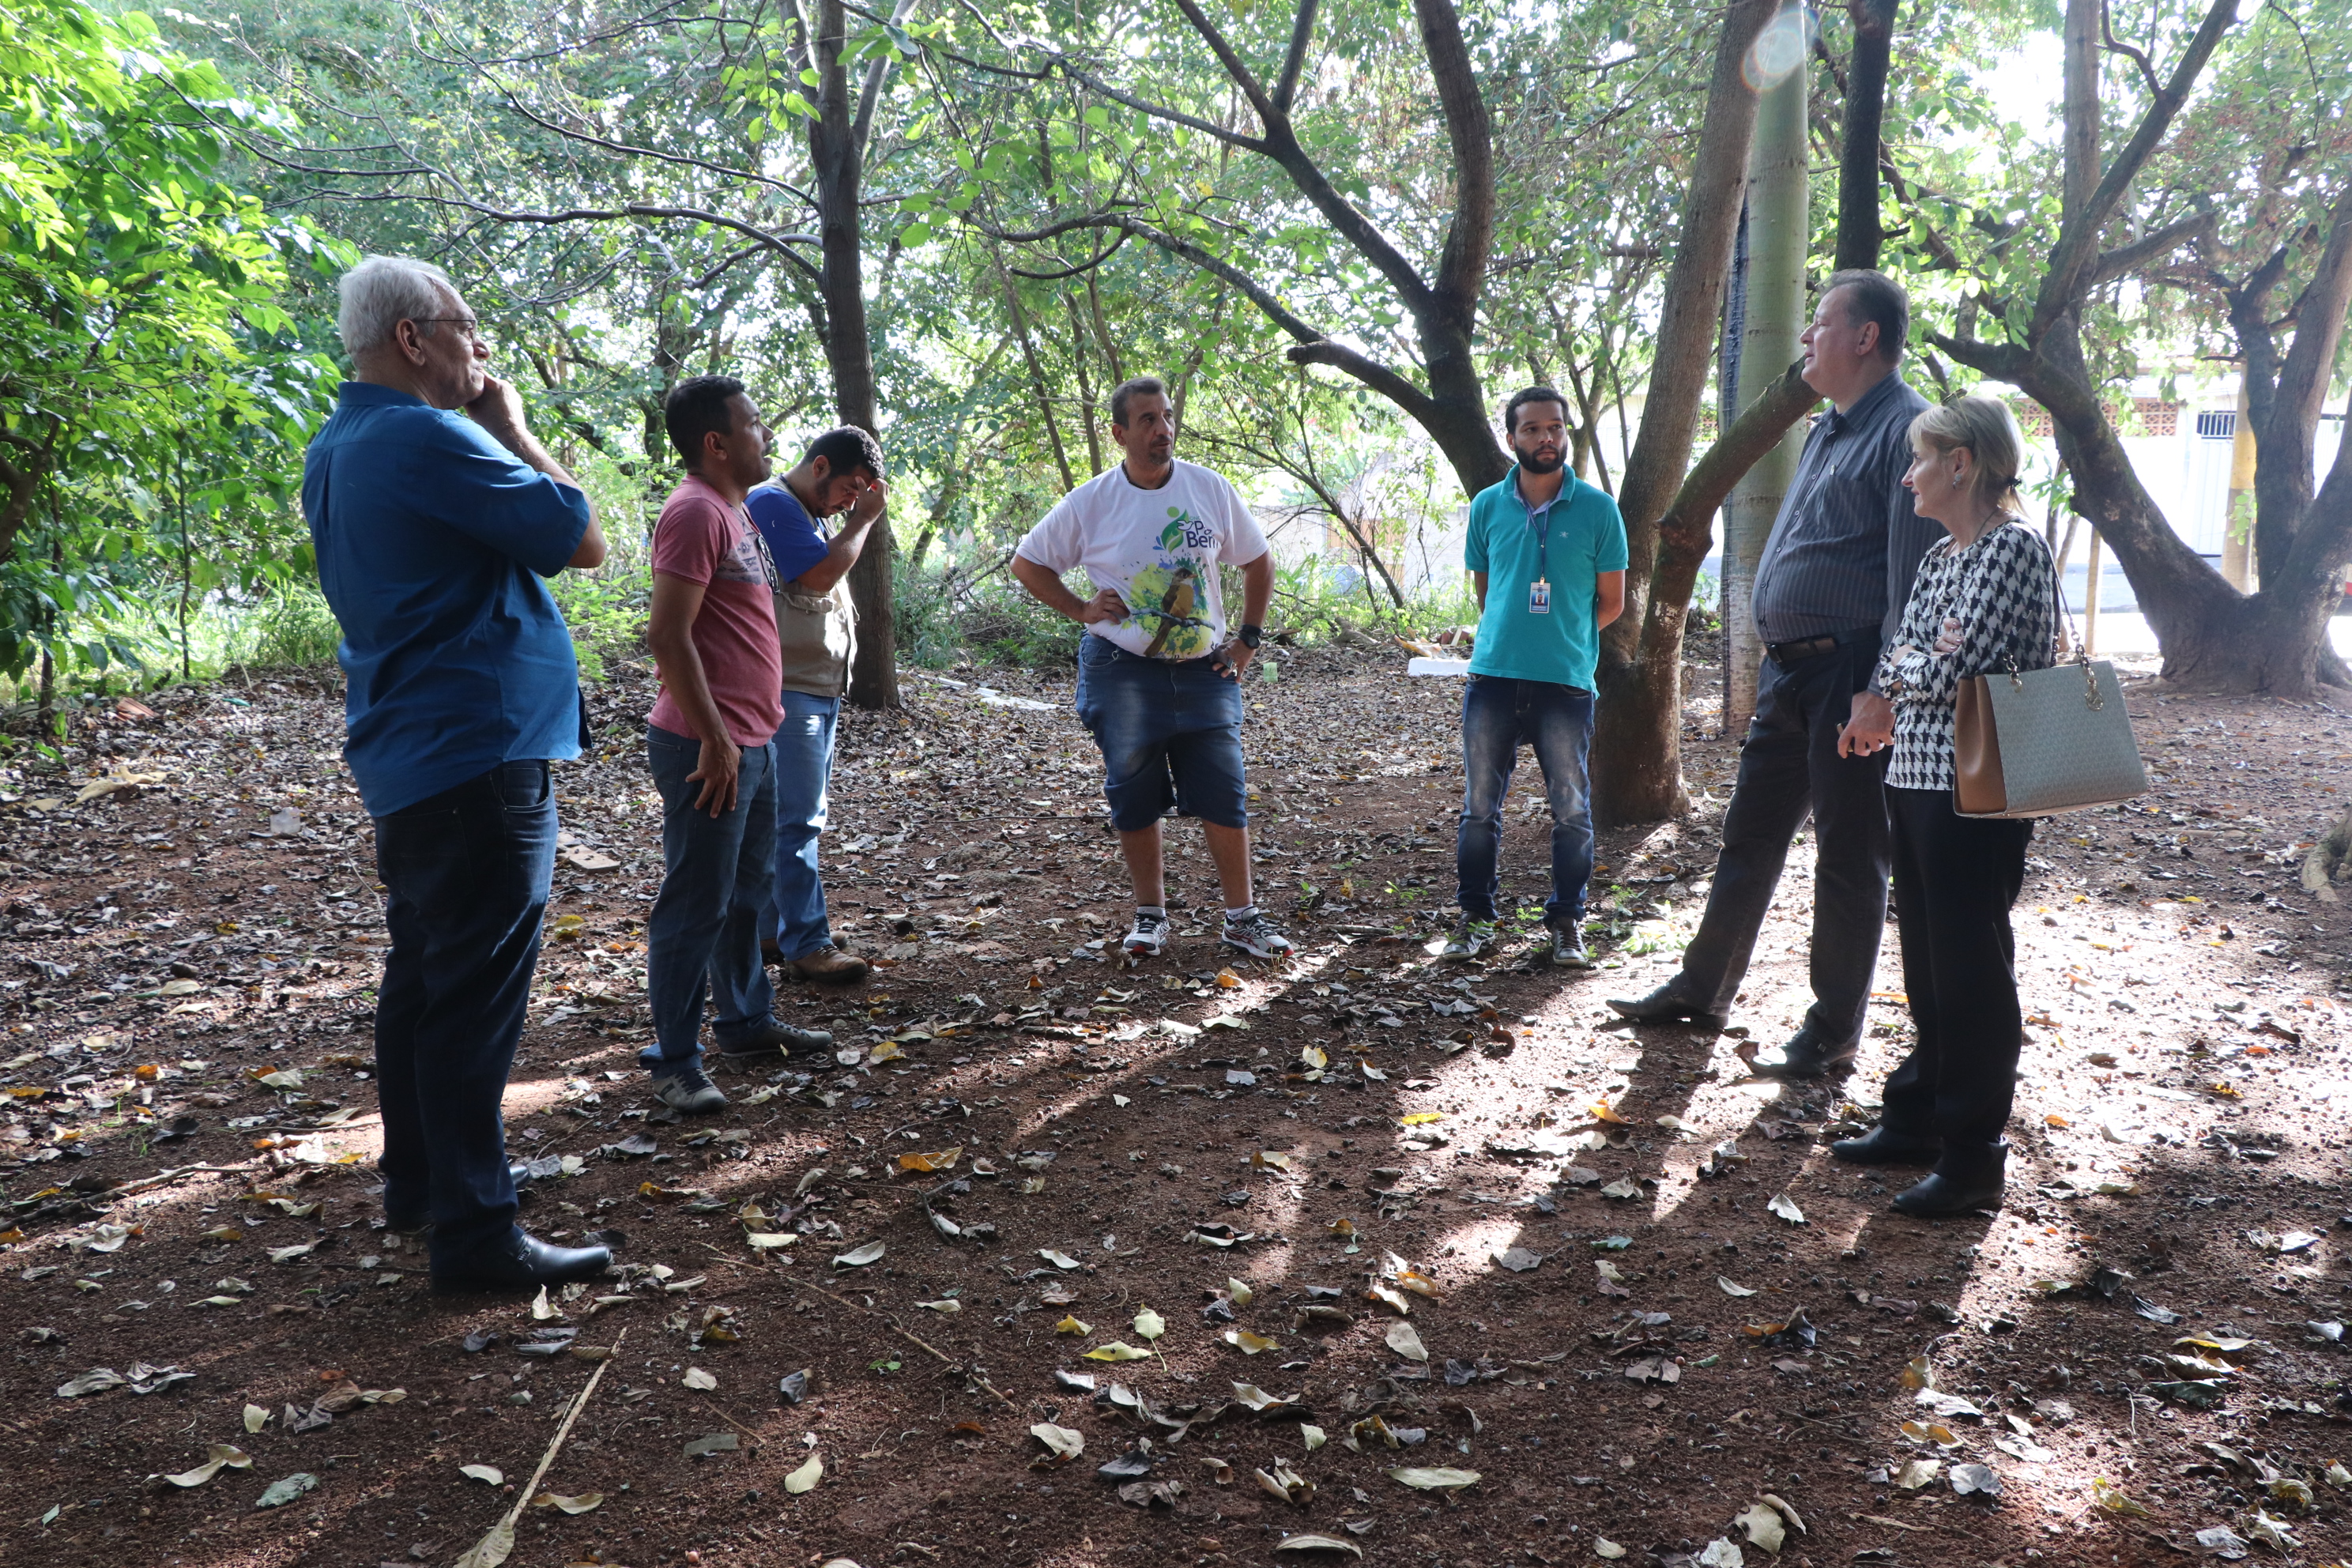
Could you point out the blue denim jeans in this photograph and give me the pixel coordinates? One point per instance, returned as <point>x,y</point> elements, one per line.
<point>466,876</point>
<point>1170,735</point>
<point>803,775</point>
<point>703,936</point>
<point>1499,715</point>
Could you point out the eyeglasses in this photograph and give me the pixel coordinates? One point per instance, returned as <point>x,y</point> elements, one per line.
<point>470,326</point>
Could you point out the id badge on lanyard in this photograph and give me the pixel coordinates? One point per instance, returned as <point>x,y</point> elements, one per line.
<point>1540,591</point>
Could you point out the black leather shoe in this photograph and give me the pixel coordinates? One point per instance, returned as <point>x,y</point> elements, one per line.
<point>521,1262</point>
<point>1804,1055</point>
<point>1968,1178</point>
<point>1668,1006</point>
<point>1883,1145</point>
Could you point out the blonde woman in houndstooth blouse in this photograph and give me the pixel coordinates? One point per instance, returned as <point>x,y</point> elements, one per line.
<point>1985,599</point>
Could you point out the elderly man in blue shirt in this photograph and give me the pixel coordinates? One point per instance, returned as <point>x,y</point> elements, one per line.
<point>436,515</point>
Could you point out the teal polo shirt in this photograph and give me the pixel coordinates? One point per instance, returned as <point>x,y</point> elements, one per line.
<point>1586,536</point>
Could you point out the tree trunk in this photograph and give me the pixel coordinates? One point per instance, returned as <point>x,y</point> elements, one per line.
<point>1037,380</point>
<point>838,159</point>
<point>1859,232</point>
<point>1085,383</point>
<point>1773,308</point>
<point>1443,305</point>
<point>2210,635</point>
<point>1637,733</point>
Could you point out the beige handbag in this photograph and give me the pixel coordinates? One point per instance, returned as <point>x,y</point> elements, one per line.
<point>2039,742</point>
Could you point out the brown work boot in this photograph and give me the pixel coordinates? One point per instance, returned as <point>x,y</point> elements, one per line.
<point>829,965</point>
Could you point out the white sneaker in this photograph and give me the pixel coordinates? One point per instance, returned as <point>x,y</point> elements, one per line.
<point>1148,937</point>
<point>1257,937</point>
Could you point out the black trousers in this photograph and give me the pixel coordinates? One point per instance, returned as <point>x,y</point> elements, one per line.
<point>1956,878</point>
<point>1789,766</point>
<point>466,876</point>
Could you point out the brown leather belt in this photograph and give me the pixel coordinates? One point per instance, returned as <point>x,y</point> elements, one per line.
<point>1788,653</point>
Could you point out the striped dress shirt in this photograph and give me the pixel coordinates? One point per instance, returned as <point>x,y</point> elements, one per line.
<point>1846,545</point>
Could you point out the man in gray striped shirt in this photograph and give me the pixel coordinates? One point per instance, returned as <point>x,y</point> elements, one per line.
<point>1830,590</point>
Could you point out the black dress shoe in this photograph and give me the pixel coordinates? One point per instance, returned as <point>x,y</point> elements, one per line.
<point>521,1262</point>
<point>1968,1178</point>
<point>1668,1006</point>
<point>1804,1055</point>
<point>1883,1145</point>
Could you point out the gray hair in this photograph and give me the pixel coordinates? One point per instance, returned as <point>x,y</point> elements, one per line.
<point>383,291</point>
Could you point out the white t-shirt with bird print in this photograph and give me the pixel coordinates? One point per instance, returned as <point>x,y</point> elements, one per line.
<point>1158,550</point>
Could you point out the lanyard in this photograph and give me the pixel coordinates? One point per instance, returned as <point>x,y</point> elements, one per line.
<point>1539,520</point>
<point>1540,591</point>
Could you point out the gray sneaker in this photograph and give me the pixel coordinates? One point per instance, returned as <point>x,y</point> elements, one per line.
<point>1568,949</point>
<point>1471,939</point>
<point>774,1035</point>
<point>689,1088</point>
<point>1257,937</point>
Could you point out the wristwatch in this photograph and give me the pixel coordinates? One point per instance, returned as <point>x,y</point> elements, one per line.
<point>1249,636</point>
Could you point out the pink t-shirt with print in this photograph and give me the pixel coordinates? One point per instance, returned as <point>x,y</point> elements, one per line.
<point>703,539</point>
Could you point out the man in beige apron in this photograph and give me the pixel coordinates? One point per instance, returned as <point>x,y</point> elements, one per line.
<point>816,629</point>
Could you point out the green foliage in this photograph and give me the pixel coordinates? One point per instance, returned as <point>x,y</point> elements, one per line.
<point>154,394</point>
<point>607,611</point>
<point>296,628</point>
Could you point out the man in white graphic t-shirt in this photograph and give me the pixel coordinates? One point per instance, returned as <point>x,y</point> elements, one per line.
<point>1159,684</point>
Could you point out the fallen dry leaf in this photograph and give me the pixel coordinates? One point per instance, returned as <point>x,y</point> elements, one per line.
<point>223,1456</point>
<point>1434,1478</point>
<point>1067,1442</point>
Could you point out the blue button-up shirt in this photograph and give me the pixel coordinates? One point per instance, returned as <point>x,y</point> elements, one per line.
<point>431,540</point>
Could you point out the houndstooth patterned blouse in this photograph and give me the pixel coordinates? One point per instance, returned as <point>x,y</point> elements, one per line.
<point>2002,590</point>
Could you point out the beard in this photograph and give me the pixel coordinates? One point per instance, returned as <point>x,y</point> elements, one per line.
<point>1541,463</point>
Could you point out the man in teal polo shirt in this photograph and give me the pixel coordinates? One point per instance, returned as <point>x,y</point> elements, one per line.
<point>1546,554</point>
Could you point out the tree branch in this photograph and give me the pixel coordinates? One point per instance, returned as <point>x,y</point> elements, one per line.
<point>2126,259</point>
<point>1469,132</point>
<point>878,72</point>
<point>1157,110</point>
<point>1371,371</point>
<point>1268,116</point>
<point>2000,362</point>
<point>2078,244</point>
<point>1301,30</point>
<point>2115,46</point>
<point>1096,259</point>
<point>779,242</point>
<point>749,176</point>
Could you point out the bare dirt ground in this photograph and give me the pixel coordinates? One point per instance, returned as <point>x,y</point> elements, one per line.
<point>1471,1218</point>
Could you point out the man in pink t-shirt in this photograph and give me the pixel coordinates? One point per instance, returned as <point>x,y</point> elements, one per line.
<point>709,741</point>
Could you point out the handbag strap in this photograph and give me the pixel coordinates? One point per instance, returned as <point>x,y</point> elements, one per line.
<point>2092,700</point>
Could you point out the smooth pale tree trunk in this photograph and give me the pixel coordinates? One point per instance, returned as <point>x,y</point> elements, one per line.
<point>1637,742</point>
<point>1637,728</point>
<point>1778,224</point>
<point>2237,539</point>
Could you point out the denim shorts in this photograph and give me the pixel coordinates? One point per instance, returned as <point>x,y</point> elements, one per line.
<point>1170,733</point>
